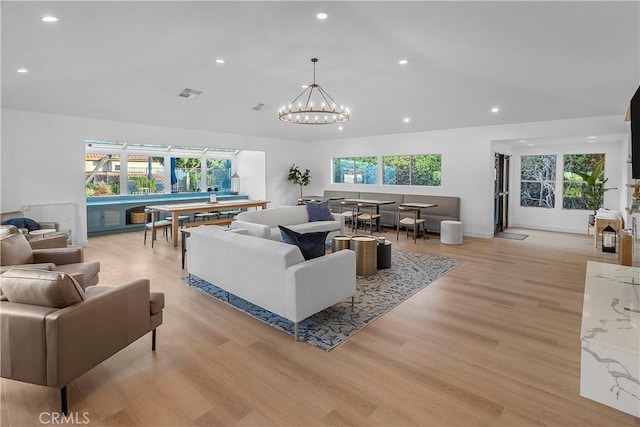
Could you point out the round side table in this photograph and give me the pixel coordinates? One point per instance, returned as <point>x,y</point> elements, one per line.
<point>365,248</point>
<point>384,254</point>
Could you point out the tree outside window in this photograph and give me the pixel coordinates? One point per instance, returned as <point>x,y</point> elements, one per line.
<point>538,181</point>
<point>574,187</point>
<point>423,169</point>
<point>102,175</point>
<point>219,174</point>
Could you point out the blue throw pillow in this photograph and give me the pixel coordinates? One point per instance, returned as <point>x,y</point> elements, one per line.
<point>311,244</point>
<point>319,211</point>
<point>27,223</point>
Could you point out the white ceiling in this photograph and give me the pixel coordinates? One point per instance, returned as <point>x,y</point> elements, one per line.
<point>127,61</point>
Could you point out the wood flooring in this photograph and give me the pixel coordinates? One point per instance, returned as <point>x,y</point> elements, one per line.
<point>495,342</point>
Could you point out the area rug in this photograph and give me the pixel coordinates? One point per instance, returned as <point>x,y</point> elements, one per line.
<point>512,236</point>
<point>375,295</point>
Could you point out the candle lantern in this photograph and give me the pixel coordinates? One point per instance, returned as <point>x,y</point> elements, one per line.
<point>235,184</point>
<point>609,237</point>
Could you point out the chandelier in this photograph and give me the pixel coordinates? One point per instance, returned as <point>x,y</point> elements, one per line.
<point>314,106</point>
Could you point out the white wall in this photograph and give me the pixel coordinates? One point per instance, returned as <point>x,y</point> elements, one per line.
<point>557,218</point>
<point>251,168</point>
<point>467,160</point>
<point>43,156</point>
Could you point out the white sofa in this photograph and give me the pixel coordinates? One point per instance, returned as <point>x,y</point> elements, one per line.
<point>264,223</point>
<point>270,274</point>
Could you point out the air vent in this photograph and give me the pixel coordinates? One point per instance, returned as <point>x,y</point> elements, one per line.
<point>258,106</point>
<point>189,93</point>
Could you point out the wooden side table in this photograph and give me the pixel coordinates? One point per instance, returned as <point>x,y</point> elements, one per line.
<point>601,224</point>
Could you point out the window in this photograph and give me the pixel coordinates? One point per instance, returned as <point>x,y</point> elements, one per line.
<point>219,174</point>
<point>187,174</point>
<point>355,170</point>
<point>101,176</point>
<point>538,181</point>
<point>145,174</point>
<point>423,169</point>
<point>576,168</point>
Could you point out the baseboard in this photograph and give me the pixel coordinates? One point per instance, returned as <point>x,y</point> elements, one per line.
<point>547,227</point>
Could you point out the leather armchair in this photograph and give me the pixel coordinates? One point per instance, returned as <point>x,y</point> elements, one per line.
<point>57,240</point>
<point>15,251</point>
<point>53,240</point>
<point>53,332</point>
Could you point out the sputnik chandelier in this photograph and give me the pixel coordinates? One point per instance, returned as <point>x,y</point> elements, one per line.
<point>314,106</point>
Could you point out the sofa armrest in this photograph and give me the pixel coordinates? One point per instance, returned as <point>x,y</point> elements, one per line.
<point>81,336</point>
<point>40,266</point>
<point>68,255</point>
<point>58,241</point>
<point>254,229</point>
<point>318,283</point>
<point>49,224</point>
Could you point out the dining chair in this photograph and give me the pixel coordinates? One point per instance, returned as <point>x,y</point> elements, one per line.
<point>154,224</point>
<point>407,217</point>
<point>348,210</point>
<point>368,217</point>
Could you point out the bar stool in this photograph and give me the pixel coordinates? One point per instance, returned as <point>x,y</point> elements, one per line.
<point>407,217</point>
<point>369,216</point>
<point>204,216</point>
<point>181,219</point>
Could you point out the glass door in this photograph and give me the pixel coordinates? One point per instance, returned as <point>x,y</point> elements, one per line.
<point>501,192</point>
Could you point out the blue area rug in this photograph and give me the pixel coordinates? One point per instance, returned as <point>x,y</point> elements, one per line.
<point>375,295</point>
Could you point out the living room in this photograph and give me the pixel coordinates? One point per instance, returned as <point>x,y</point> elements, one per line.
<point>46,121</point>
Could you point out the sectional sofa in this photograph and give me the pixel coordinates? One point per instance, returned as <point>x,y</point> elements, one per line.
<point>448,208</point>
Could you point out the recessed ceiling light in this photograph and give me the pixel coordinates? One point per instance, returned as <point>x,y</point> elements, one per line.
<point>219,61</point>
<point>523,140</point>
<point>407,120</point>
<point>530,145</point>
<point>322,16</point>
<point>22,70</point>
<point>49,19</point>
<point>495,110</point>
<point>592,137</point>
<point>591,141</point>
<point>340,128</point>
<point>403,62</point>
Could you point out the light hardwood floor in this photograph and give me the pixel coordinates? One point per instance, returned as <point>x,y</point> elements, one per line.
<point>494,342</point>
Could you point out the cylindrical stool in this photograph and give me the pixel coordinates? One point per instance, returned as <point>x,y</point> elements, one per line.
<point>451,232</point>
<point>384,254</point>
<point>339,243</point>
<point>366,249</point>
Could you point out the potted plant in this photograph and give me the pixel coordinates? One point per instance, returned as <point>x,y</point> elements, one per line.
<point>594,192</point>
<point>298,177</point>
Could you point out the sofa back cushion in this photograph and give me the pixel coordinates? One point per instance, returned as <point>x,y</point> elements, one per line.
<point>15,250</point>
<point>311,244</point>
<point>285,215</point>
<point>40,287</point>
<point>319,211</point>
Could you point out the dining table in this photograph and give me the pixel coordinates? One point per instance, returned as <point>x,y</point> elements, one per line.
<point>375,202</point>
<point>176,209</point>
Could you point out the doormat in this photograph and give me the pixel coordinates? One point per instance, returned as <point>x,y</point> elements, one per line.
<point>512,236</point>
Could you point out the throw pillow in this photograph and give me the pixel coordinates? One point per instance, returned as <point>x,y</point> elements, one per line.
<point>27,223</point>
<point>41,287</point>
<point>319,211</point>
<point>311,244</point>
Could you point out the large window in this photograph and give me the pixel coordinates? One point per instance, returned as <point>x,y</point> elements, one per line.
<point>538,181</point>
<point>423,169</point>
<point>102,176</point>
<point>155,168</point>
<point>355,170</point>
<point>576,168</point>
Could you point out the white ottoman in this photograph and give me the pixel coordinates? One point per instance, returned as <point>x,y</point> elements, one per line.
<point>451,232</point>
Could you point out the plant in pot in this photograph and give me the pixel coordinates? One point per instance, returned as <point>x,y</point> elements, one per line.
<point>594,191</point>
<point>298,177</point>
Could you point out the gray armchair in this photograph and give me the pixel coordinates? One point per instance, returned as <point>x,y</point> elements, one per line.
<point>54,331</point>
<point>15,251</point>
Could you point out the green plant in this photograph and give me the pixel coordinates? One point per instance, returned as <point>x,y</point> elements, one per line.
<point>298,177</point>
<point>594,192</point>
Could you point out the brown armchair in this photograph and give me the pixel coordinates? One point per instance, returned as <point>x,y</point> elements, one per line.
<point>15,251</point>
<point>53,331</point>
<point>56,239</point>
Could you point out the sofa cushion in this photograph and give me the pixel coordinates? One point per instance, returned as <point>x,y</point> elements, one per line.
<point>41,287</point>
<point>285,215</point>
<point>311,244</point>
<point>319,211</point>
<point>27,223</point>
<point>14,250</point>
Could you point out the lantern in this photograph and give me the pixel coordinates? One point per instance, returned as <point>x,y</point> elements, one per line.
<point>609,237</point>
<point>235,184</point>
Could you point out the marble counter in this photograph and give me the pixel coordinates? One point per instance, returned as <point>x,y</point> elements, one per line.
<point>610,337</point>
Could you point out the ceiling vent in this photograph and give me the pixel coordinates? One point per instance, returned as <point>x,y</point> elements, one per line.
<point>189,93</point>
<point>258,107</point>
